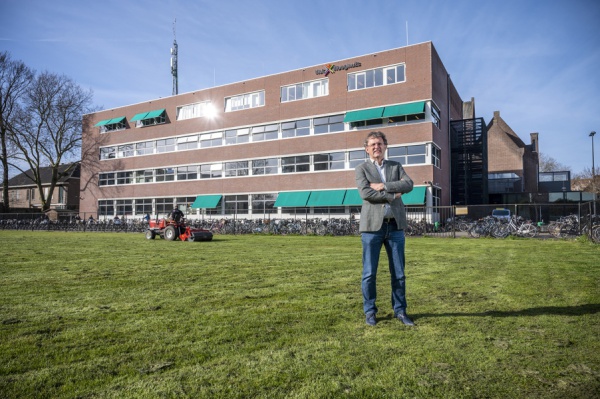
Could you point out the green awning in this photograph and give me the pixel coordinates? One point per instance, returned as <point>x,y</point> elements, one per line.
<point>147,115</point>
<point>404,109</point>
<point>115,120</point>
<point>102,123</point>
<point>415,197</point>
<point>294,198</point>
<point>207,201</point>
<point>326,198</point>
<point>353,198</point>
<point>364,114</point>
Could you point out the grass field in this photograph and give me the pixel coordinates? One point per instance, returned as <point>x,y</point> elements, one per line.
<point>109,315</point>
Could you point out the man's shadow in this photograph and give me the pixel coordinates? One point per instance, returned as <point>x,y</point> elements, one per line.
<point>580,310</point>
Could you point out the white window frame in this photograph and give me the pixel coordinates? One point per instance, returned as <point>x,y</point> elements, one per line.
<point>304,90</point>
<point>245,101</point>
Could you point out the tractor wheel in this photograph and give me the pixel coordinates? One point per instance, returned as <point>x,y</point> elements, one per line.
<point>171,233</point>
<point>150,234</point>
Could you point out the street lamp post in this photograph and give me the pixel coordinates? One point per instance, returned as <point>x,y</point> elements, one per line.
<point>592,134</point>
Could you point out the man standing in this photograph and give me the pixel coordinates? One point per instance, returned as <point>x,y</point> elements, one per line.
<point>381,184</point>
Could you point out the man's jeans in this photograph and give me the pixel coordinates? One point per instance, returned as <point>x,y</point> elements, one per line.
<point>393,240</point>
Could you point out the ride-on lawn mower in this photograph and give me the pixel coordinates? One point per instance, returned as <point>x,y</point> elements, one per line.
<point>171,230</point>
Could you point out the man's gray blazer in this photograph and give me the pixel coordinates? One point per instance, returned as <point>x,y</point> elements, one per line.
<point>373,206</point>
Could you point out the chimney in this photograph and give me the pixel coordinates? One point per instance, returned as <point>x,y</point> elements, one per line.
<point>534,142</point>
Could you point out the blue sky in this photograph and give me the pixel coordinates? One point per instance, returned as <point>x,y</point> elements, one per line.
<point>535,61</point>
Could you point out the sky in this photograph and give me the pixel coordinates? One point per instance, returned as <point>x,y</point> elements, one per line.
<point>535,61</point>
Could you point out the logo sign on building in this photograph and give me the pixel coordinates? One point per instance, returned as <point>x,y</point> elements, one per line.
<point>332,68</point>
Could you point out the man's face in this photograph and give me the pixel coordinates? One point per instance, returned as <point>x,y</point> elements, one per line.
<point>375,148</point>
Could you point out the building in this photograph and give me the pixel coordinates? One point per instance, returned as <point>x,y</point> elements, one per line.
<point>512,165</point>
<point>24,194</point>
<point>283,144</point>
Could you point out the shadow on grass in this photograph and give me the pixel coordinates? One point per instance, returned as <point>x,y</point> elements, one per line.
<point>579,310</point>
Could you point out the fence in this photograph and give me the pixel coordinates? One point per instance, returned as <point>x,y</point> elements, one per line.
<point>431,221</point>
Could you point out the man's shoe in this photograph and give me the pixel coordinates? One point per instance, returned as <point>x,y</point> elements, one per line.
<point>404,319</point>
<point>371,319</point>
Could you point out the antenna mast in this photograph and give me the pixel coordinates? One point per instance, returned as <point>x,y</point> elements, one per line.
<point>174,62</point>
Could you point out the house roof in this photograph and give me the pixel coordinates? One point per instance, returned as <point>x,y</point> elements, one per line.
<point>23,179</point>
<point>503,127</point>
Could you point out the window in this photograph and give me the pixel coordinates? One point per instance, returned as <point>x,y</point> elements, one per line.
<point>211,171</point>
<point>245,101</point>
<point>436,195</point>
<point>124,207</point>
<point>145,148</point>
<point>263,203</point>
<point>211,139</point>
<point>111,127</point>
<point>300,91</point>
<point>409,155</point>
<point>236,204</point>
<point>165,145</point>
<point>143,206</point>
<point>187,173</point>
<point>376,77</point>
<point>61,195</point>
<point>329,124</point>
<point>184,203</point>
<point>239,168</point>
<point>367,124</point>
<point>144,176</point>
<point>436,156</point>
<point>295,128</point>
<point>331,161</point>
<point>187,143</point>
<point>264,166</point>
<point>295,164</point>
<point>237,136</point>
<point>151,118</point>
<point>107,153</point>
<point>164,206</point>
<point>124,177</point>
<point>190,111</point>
<point>106,179</point>
<point>106,208</point>
<point>125,151</point>
<point>356,158</point>
<point>435,116</point>
<point>263,133</point>
<point>165,174</point>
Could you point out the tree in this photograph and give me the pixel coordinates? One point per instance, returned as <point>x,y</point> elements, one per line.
<point>48,128</point>
<point>15,77</point>
<point>549,164</point>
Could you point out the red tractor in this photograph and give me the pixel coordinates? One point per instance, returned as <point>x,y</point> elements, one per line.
<point>171,230</point>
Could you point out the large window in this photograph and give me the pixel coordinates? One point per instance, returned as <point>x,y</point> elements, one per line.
<point>189,111</point>
<point>376,77</point>
<point>329,124</point>
<point>107,153</point>
<point>305,90</point>
<point>295,164</point>
<point>165,145</point>
<point>263,133</point>
<point>165,174</point>
<point>264,166</point>
<point>239,168</point>
<point>125,151</point>
<point>111,127</point>
<point>236,204</point>
<point>153,120</point>
<point>263,203</point>
<point>357,157</point>
<point>330,161</point>
<point>145,148</point>
<point>144,176</point>
<point>106,179</point>
<point>211,139</point>
<point>143,206</point>
<point>106,208</point>
<point>164,206</point>
<point>187,173</point>
<point>187,143</point>
<point>295,128</point>
<point>124,177</point>
<point>245,101</point>
<point>237,136</point>
<point>436,156</point>
<point>124,207</point>
<point>408,155</point>
<point>211,171</point>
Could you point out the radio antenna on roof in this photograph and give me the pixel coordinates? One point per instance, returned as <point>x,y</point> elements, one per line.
<point>174,61</point>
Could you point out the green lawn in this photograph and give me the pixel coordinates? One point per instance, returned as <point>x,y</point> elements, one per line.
<point>112,315</point>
